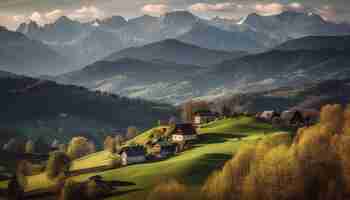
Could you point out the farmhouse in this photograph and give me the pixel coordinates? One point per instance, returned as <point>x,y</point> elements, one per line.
<point>163,149</point>
<point>299,117</point>
<point>184,133</point>
<point>268,115</point>
<point>204,116</point>
<point>130,155</point>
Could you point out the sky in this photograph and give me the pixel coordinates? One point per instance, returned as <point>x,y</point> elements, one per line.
<point>14,12</point>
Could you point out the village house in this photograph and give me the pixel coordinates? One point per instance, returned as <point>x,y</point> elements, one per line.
<point>184,133</point>
<point>204,116</point>
<point>268,115</point>
<point>131,155</point>
<point>163,149</point>
<point>300,117</point>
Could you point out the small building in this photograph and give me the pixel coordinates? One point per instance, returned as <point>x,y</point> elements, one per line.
<point>204,116</point>
<point>268,115</point>
<point>163,149</point>
<point>131,155</point>
<point>300,117</point>
<point>184,133</point>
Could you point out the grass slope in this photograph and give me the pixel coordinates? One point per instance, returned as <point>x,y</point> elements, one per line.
<point>216,146</point>
<point>237,126</point>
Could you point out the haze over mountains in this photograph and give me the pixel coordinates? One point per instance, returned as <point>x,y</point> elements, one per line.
<point>179,55</point>
<point>85,43</point>
<point>175,51</point>
<point>64,110</point>
<point>19,54</point>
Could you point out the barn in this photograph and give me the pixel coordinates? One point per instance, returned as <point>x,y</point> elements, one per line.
<point>131,155</point>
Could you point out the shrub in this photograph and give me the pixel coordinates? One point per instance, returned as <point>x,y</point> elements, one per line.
<point>132,132</point>
<point>169,191</point>
<point>78,147</point>
<point>62,147</point>
<point>72,191</point>
<point>332,117</point>
<point>223,184</point>
<point>279,176</point>
<point>346,128</point>
<point>23,170</point>
<point>119,139</point>
<point>57,165</point>
<point>110,144</point>
<point>29,146</point>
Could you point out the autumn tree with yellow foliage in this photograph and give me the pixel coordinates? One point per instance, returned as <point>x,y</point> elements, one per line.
<point>314,165</point>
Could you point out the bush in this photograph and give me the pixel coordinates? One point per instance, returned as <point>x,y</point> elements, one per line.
<point>316,165</point>
<point>223,184</point>
<point>72,191</point>
<point>24,169</point>
<point>57,165</point>
<point>29,146</point>
<point>110,144</point>
<point>132,132</point>
<point>78,147</point>
<point>169,191</point>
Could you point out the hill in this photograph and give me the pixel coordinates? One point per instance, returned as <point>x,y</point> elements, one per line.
<point>310,96</point>
<point>276,68</point>
<point>154,80</point>
<point>192,166</point>
<point>19,54</point>
<point>316,43</point>
<point>291,25</point>
<point>172,50</point>
<point>210,37</point>
<point>44,105</point>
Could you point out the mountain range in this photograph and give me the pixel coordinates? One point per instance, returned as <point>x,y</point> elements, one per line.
<point>172,50</point>
<point>22,55</point>
<point>150,78</point>
<point>86,43</point>
<point>155,80</point>
<point>179,55</point>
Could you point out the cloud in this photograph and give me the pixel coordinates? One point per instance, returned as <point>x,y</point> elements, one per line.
<point>19,18</point>
<point>53,15</point>
<point>42,18</point>
<point>37,17</point>
<point>296,7</point>
<point>87,13</point>
<point>269,9</point>
<point>156,9</point>
<point>218,7</point>
<point>327,12</point>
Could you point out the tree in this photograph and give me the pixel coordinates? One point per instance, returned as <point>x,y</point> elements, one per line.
<point>78,147</point>
<point>332,116</point>
<point>172,121</point>
<point>62,147</point>
<point>41,146</point>
<point>92,147</point>
<point>57,165</point>
<point>131,132</point>
<point>187,111</point>
<point>170,191</point>
<point>71,191</point>
<point>119,139</point>
<point>110,144</point>
<point>29,146</point>
<point>225,111</point>
<point>16,145</point>
<point>346,128</point>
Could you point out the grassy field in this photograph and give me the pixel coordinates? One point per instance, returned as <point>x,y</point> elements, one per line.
<point>237,126</point>
<point>143,137</point>
<point>217,144</point>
